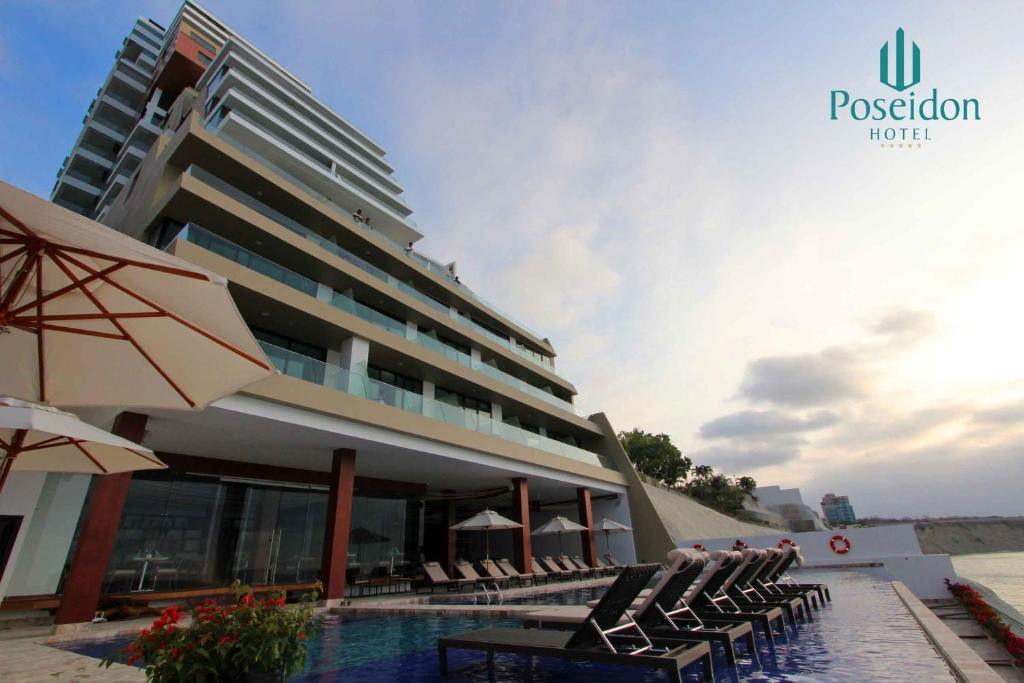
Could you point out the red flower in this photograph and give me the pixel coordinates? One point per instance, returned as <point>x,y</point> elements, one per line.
<point>175,652</point>
<point>302,635</point>
<point>247,600</point>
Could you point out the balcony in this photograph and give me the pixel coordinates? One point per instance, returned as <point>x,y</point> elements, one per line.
<point>313,176</point>
<point>358,384</point>
<point>222,247</point>
<point>367,267</point>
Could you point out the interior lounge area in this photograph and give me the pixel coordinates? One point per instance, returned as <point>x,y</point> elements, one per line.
<point>286,513</point>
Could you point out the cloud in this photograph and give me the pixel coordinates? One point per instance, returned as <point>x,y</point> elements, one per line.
<point>827,377</point>
<point>740,460</point>
<point>756,423</point>
<point>906,323</point>
<point>1009,413</point>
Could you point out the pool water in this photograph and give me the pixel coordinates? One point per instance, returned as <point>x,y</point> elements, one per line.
<point>865,634</point>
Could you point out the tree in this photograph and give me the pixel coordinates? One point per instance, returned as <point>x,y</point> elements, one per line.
<point>747,485</point>
<point>655,456</point>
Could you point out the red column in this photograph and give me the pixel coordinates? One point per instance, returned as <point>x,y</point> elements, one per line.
<point>587,520</point>
<point>450,548</point>
<point>339,519</point>
<point>523,552</point>
<point>82,587</point>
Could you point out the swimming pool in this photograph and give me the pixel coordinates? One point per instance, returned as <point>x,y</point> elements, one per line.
<point>865,634</point>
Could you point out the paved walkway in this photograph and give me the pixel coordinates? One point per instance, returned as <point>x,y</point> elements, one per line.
<point>29,660</point>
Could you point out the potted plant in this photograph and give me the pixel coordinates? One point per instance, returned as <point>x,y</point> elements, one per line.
<point>250,641</point>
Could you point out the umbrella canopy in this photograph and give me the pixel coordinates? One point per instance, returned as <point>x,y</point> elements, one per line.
<point>610,526</point>
<point>36,438</point>
<point>559,525</point>
<point>486,521</point>
<point>90,316</point>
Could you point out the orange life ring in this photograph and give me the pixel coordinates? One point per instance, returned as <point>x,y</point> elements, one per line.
<point>740,544</point>
<point>700,547</point>
<point>838,549</point>
<point>784,542</point>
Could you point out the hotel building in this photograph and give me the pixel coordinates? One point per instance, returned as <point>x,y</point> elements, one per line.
<point>405,402</point>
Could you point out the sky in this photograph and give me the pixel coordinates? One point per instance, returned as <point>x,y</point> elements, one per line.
<point>658,187</point>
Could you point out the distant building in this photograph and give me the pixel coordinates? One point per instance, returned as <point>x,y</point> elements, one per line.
<point>789,506</point>
<point>837,509</point>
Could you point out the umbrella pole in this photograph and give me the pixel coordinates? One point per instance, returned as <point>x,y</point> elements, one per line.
<point>487,545</point>
<point>12,452</point>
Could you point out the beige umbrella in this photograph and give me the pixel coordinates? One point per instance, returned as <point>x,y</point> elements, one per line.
<point>89,316</point>
<point>610,526</point>
<point>36,438</point>
<point>558,525</point>
<point>486,521</point>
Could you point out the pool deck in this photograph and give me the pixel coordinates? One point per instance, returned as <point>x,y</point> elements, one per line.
<point>27,655</point>
<point>967,664</point>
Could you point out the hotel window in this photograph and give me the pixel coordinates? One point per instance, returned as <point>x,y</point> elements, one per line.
<point>395,379</point>
<point>454,344</point>
<point>292,357</point>
<point>456,399</point>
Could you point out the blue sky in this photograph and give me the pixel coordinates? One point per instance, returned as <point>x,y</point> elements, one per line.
<point>659,188</point>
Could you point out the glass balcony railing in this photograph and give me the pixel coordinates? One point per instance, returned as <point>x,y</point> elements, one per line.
<point>364,265</point>
<point>358,384</point>
<point>229,250</point>
<point>213,125</point>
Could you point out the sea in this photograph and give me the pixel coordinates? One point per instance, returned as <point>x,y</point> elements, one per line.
<point>1001,572</point>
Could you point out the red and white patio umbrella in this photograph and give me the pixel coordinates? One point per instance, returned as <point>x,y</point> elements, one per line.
<point>93,317</point>
<point>36,438</point>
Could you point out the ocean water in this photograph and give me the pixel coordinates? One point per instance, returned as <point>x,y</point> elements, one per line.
<point>865,634</point>
<point>1002,572</point>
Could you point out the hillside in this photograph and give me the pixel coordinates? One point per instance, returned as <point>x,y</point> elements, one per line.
<point>963,537</point>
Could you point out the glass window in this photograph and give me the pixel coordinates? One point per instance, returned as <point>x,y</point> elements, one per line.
<point>456,399</point>
<point>395,379</point>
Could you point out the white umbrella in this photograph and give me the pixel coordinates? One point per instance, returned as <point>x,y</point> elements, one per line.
<point>559,525</point>
<point>610,526</point>
<point>90,316</point>
<point>487,521</point>
<point>36,438</point>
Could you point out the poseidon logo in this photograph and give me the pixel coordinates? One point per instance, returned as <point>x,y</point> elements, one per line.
<point>900,72</point>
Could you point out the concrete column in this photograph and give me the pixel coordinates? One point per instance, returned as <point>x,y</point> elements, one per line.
<point>339,519</point>
<point>543,431</point>
<point>521,547</point>
<point>354,356</point>
<point>496,412</point>
<point>428,390</point>
<point>324,293</point>
<point>474,357</point>
<point>411,330</point>
<point>450,547</point>
<point>452,313</point>
<point>586,515</point>
<point>81,594</point>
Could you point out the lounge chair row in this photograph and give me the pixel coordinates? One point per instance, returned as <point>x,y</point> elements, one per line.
<point>699,599</point>
<point>503,574</point>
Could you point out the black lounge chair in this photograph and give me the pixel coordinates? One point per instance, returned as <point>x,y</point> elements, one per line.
<point>767,587</point>
<point>435,577</point>
<point>780,577</point>
<point>664,613</point>
<point>517,575</point>
<point>600,638</point>
<point>713,605</point>
<point>744,594</point>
